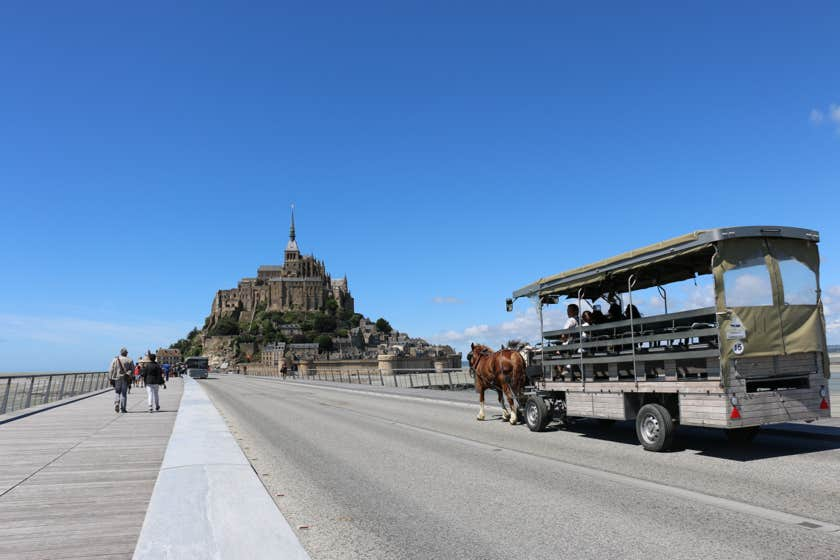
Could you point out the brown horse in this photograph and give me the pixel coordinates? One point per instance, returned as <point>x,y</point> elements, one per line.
<point>503,371</point>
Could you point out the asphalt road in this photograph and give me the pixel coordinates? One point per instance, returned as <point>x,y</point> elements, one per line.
<point>377,475</point>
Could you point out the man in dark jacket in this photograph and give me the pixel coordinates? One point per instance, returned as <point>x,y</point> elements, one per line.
<point>152,375</point>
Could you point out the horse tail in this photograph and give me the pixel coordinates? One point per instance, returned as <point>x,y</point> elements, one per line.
<point>518,373</point>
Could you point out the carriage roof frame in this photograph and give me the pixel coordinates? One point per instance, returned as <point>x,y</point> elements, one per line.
<point>596,279</point>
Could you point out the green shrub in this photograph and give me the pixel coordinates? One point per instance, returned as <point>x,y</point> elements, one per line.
<point>325,343</point>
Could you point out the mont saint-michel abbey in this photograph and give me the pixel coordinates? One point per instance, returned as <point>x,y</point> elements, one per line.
<point>301,283</point>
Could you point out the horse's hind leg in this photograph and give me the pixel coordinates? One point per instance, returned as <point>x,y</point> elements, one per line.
<point>506,388</point>
<point>505,413</point>
<point>481,404</point>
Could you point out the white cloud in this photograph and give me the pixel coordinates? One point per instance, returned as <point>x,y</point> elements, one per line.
<point>817,117</point>
<point>446,299</point>
<point>524,326</point>
<point>831,308</point>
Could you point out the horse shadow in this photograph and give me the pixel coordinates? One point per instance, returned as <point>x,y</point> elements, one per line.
<point>770,443</point>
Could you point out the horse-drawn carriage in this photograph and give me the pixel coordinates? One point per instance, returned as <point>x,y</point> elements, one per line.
<point>757,356</point>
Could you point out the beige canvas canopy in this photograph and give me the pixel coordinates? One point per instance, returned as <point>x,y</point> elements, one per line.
<point>661,263</point>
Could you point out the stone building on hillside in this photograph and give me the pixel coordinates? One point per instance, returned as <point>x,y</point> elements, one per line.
<point>301,283</point>
<point>169,356</point>
<point>272,354</point>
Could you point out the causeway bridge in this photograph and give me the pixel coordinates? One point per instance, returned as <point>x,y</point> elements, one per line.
<point>260,467</point>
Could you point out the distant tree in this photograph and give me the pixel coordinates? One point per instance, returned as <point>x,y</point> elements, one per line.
<point>514,343</point>
<point>190,345</point>
<point>194,349</point>
<point>225,327</point>
<point>291,317</point>
<point>331,306</point>
<point>323,323</point>
<point>325,343</point>
<point>274,317</point>
<point>383,326</point>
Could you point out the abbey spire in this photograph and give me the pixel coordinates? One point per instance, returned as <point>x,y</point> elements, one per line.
<point>292,250</point>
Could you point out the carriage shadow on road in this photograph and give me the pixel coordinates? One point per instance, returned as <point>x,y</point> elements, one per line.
<point>710,442</point>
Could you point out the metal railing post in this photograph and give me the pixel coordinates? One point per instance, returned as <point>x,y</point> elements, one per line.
<point>15,396</point>
<point>631,281</point>
<point>6,396</point>
<point>29,394</point>
<point>49,388</point>
<point>429,378</point>
<point>61,390</point>
<point>381,379</point>
<point>449,374</point>
<point>411,380</point>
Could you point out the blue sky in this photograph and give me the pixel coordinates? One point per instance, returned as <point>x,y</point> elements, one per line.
<point>441,154</point>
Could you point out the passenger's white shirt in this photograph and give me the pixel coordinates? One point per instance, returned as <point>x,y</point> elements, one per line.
<point>571,323</point>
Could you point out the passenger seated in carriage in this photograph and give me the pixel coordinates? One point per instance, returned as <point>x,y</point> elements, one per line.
<point>586,320</point>
<point>572,311</point>
<point>631,311</point>
<point>597,316</point>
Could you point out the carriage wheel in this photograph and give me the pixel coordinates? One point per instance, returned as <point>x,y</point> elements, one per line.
<point>655,427</point>
<point>537,415</point>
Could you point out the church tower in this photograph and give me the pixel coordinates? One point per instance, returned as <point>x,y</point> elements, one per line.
<point>292,250</point>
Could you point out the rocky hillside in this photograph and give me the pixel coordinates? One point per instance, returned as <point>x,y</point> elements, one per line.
<point>241,338</point>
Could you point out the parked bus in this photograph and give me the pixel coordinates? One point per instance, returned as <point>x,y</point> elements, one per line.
<point>197,367</point>
<point>757,356</point>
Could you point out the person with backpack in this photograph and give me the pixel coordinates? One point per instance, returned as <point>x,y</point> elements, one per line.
<point>152,375</point>
<point>120,376</point>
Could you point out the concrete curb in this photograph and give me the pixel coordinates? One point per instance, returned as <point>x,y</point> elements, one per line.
<point>208,502</point>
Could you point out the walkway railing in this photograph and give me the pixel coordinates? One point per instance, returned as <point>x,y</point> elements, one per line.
<point>21,391</point>
<point>401,378</point>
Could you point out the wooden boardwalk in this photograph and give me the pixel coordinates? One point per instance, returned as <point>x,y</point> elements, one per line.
<point>75,481</point>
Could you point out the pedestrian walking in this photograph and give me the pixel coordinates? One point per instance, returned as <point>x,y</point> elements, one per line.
<point>152,375</point>
<point>120,375</point>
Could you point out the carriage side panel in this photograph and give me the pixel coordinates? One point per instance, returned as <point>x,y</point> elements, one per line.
<point>597,405</point>
<point>702,409</point>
